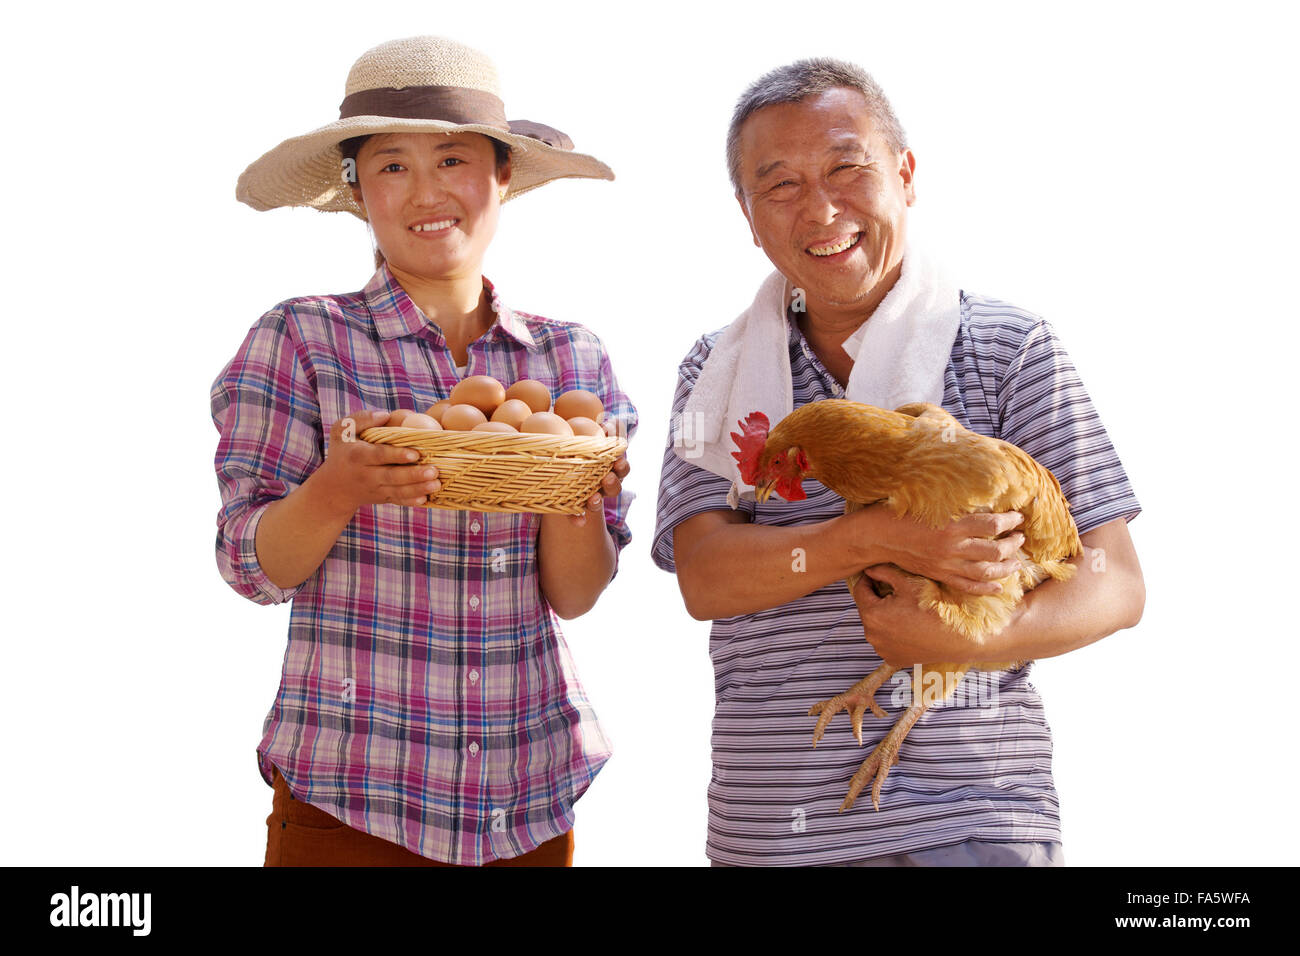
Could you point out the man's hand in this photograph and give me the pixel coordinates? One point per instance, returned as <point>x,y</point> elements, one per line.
<point>968,554</point>
<point>357,473</point>
<point>1106,594</point>
<point>901,632</point>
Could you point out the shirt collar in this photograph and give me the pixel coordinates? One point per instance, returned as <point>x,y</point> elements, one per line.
<point>799,347</point>
<point>396,315</point>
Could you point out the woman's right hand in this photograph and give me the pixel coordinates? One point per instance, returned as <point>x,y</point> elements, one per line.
<point>970,553</point>
<point>357,473</point>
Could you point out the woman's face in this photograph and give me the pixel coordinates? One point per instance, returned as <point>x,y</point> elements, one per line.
<point>431,199</point>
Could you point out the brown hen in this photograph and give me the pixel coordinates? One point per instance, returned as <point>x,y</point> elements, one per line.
<point>920,462</point>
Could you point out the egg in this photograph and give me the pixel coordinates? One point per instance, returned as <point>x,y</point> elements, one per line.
<point>579,402</point>
<point>396,418</point>
<point>545,423</point>
<point>462,418</point>
<point>532,392</point>
<point>482,391</point>
<point>585,426</point>
<point>615,427</point>
<point>513,411</point>
<point>435,410</point>
<point>494,426</point>
<point>416,420</point>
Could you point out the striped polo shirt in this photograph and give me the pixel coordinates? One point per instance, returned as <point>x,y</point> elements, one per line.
<point>976,767</point>
<point>427,696</point>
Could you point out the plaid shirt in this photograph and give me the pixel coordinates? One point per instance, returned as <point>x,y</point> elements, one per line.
<point>427,696</point>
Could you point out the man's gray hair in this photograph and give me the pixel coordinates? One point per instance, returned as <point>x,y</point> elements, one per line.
<point>798,81</point>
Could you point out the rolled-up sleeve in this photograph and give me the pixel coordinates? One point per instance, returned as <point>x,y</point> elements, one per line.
<point>268,417</point>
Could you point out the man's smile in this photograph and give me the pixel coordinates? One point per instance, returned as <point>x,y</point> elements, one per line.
<point>835,246</point>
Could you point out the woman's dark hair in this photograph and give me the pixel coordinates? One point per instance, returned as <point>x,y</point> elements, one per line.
<point>351,147</point>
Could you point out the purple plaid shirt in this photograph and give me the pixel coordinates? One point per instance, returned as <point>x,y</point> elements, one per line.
<point>427,697</point>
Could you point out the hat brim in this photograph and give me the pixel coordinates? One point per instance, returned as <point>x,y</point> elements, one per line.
<point>308,170</point>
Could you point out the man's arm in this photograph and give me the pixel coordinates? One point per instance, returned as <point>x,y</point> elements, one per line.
<point>727,566</point>
<point>1106,594</point>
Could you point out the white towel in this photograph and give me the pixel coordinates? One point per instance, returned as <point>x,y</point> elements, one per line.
<point>899,356</point>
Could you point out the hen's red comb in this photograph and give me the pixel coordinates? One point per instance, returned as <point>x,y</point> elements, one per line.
<point>754,436</point>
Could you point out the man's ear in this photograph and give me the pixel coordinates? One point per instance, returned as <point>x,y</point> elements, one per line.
<point>906,168</point>
<point>740,198</point>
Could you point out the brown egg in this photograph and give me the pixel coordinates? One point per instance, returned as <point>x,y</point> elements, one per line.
<point>462,418</point>
<point>416,420</point>
<point>532,392</point>
<point>482,391</point>
<point>545,423</point>
<point>579,402</point>
<point>435,410</point>
<point>614,427</point>
<point>503,427</point>
<point>513,411</point>
<point>395,418</point>
<point>585,426</point>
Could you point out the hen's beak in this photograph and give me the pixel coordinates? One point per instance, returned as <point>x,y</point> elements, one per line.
<point>763,490</point>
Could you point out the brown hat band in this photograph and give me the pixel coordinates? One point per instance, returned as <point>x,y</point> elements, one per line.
<point>450,104</point>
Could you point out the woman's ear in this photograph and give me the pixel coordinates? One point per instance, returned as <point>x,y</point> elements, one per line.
<point>356,197</point>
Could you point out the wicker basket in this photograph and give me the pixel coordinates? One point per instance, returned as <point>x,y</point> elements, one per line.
<point>491,471</point>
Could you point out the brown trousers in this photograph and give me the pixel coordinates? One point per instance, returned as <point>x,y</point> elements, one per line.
<point>298,834</point>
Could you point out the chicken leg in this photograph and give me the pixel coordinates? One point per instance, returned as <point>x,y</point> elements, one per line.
<point>937,684</point>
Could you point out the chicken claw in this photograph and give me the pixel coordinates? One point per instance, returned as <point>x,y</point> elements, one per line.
<point>856,700</point>
<point>881,760</point>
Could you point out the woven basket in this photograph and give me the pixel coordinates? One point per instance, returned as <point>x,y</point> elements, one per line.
<point>491,471</point>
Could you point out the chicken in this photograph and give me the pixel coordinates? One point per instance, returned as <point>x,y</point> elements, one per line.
<point>922,463</point>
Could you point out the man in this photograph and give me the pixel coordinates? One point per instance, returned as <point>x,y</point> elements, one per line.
<point>825,179</point>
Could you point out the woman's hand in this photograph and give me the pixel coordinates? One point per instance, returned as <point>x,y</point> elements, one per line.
<point>969,553</point>
<point>297,531</point>
<point>610,486</point>
<point>357,473</point>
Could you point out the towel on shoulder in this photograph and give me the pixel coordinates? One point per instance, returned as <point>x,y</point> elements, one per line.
<point>899,356</point>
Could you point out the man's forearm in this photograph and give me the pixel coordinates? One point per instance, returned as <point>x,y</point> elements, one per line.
<point>1106,594</point>
<point>741,568</point>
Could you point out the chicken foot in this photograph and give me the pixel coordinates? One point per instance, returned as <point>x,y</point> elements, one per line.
<point>885,755</point>
<point>856,699</point>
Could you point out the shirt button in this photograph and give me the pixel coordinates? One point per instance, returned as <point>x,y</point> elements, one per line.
<point>473,601</point>
<point>473,677</point>
<point>475,526</point>
<point>473,749</point>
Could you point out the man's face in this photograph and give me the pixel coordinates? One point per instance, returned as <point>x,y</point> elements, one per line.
<point>826,198</point>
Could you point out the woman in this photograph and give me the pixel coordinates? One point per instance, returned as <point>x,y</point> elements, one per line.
<point>428,711</point>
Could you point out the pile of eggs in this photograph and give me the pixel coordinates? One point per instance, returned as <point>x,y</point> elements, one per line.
<point>482,404</point>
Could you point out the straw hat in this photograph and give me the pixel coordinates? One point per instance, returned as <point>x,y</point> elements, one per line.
<point>416,85</point>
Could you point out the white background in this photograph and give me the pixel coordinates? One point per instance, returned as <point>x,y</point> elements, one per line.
<point>1126,170</point>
